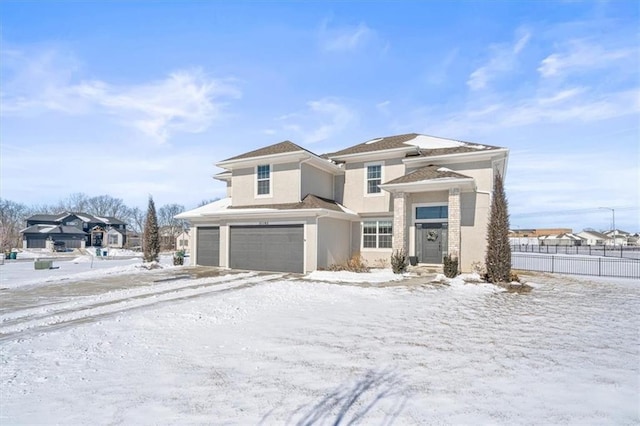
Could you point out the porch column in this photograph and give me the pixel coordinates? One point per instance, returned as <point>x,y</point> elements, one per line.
<point>454,222</point>
<point>400,237</point>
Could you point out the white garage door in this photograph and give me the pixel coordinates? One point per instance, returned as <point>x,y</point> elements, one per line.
<point>208,246</point>
<point>267,248</point>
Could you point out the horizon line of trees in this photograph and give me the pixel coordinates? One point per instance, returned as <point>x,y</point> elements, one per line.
<point>13,215</point>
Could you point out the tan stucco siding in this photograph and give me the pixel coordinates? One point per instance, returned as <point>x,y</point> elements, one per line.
<point>481,171</point>
<point>355,196</point>
<point>334,241</point>
<point>229,191</point>
<point>473,233</point>
<point>315,181</point>
<point>285,185</point>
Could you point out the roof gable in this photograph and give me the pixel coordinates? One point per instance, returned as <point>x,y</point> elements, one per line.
<point>427,173</point>
<point>278,148</point>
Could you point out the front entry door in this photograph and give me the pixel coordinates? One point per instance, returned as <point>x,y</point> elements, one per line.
<point>431,242</point>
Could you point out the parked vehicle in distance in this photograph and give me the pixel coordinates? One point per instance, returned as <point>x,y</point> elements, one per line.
<point>59,246</point>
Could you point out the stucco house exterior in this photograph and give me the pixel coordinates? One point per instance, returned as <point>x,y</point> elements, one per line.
<point>288,209</point>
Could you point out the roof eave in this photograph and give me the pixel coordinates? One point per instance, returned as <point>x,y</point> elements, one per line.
<point>431,185</point>
<point>262,159</point>
<point>382,153</point>
<point>454,158</point>
<point>269,213</point>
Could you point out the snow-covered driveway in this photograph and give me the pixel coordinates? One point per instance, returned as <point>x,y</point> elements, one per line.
<point>567,353</point>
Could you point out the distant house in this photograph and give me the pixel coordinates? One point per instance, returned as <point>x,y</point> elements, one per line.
<point>594,238</point>
<point>44,236</point>
<point>618,237</point>
<point>566,239</point>
<point>182,241</point>
<point>76,230</point>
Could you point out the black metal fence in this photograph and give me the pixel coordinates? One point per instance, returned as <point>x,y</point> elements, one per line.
<point>630,252</point>
<point>577,265</point>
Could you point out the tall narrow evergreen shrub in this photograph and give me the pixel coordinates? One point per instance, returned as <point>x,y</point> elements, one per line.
<point>498,259</point>
<point>151,237</point>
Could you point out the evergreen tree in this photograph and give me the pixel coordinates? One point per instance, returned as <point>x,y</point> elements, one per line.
<point>151,237</point>
<point>498,260</point>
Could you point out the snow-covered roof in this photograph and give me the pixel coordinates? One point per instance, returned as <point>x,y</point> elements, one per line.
<point>224,207</point>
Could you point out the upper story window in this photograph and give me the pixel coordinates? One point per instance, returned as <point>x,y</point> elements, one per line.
<point>374,178</point>
<point>263,176</point>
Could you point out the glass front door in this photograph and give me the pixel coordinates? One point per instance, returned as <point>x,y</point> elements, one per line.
<point>431,242</point>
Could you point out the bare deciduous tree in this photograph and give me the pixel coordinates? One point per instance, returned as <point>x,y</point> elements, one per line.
<point>12,217</point>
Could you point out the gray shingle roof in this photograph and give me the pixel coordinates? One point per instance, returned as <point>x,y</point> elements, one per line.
<point>107,220</point>
<point>427,173</point>
<point>309,202</point>
<point>278,148</point>
<point>52,229</point>
<point>404,141</point>
<point>382,144</point>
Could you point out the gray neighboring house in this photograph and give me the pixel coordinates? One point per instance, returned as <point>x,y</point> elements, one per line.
<point>75,230</point>
<point>288,209</point>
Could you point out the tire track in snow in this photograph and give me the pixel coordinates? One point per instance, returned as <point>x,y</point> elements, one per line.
<point>87,311</point>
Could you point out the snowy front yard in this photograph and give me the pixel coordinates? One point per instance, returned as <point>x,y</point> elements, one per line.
<point>250,348</point>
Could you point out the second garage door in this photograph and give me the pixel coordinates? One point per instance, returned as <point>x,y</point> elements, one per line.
<point>267,248</point>
<point>208,246</point>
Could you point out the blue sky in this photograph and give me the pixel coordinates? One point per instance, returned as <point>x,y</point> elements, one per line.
<point>138,98</point>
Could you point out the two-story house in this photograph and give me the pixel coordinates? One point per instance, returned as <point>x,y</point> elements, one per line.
<point>75,230</point>
<point>288,209</point>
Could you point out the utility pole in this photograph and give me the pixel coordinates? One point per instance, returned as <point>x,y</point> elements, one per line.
<point>613,222</point>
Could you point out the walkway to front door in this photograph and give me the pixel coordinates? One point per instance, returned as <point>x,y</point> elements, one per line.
<point>431,242</point>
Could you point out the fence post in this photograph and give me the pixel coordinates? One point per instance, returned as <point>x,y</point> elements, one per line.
<point>552,264</point>
<point>599,266</point>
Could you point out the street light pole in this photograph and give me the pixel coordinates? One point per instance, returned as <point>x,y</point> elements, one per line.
<point>613,221</point>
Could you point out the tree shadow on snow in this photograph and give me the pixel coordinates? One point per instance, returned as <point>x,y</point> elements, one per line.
<point>351,403</point>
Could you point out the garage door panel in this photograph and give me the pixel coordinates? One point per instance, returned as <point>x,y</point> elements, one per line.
<point>208,246</point>
<point>267,248</point>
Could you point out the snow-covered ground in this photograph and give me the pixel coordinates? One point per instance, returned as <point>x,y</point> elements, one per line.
<point>191,346</point>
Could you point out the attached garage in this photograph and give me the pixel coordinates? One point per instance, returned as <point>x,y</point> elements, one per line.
<point>278,248</point>
<point>208,246</point>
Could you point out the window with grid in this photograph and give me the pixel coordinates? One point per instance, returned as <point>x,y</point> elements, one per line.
<point>264,179</point>
<point>377,234</point>
<point>374,178</point>
<point>113,239</point>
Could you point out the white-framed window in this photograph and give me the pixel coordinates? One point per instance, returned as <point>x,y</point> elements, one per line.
<point>113,239</point>
<point>377,233</point>
<point>373,178</point>
<point>263,180</point>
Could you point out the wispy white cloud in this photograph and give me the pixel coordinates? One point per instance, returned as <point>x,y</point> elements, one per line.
<point>503,58</point>
<point>571,106</point>
<point>346,38</point>
<point>184,101</point>
<point>581,55</point>
<point>320,120</point>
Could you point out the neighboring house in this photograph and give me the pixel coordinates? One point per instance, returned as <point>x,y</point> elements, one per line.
<point>44,236</point>
<point>538,232</point>
<point>182,241</point>
<point>289,209</point>
<point>594,238</point>
<point>94,230</point>
<point>618,237</point>
<point>566,239</point>
<point>115,238</point>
